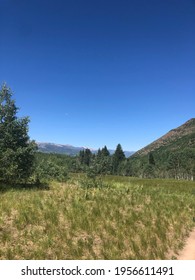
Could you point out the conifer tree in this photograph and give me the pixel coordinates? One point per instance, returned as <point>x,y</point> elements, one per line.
<point>16,150</point>
<point>99,155</point>
<point>87,156</point>
<point>151,159</point>
<point>118,157</point>
<point>105,152</point>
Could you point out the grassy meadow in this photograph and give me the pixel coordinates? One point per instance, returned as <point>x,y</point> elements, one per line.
<point>122,218</point>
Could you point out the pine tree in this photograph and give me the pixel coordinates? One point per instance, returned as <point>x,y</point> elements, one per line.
<point>87,156</point>
<point>99,155</point>
<point>151,159</point>
<point>105,152</point>
<point>118,157</point>
<point>17,152</point>
<point>81,156</point>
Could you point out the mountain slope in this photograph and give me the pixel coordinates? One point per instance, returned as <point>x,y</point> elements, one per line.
<point>45,147</point>
<point>175,139</point>
<point>170,156</point>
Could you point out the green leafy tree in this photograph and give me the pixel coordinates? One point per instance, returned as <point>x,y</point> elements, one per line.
<point>17,152</point>
<point>49,169</point>
<point>149,171</point>
<point>174,164</point>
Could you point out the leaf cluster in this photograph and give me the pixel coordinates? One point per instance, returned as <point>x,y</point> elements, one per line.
<point>16,150</point>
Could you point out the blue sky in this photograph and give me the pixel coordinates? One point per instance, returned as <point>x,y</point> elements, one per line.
<point>96,72</point>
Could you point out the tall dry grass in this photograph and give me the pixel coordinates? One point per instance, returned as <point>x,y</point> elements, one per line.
<point>129,218</point>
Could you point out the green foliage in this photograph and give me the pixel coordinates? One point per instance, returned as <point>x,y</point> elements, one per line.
<point>171,156</point>
<point>48,170</point>
<point>151,159</point>
<point>177,164</point>
<point>85,157</point>
<point>16,150</point>
<point>149,171</point>
<point>92,181</point>
<point>118,157</point>
<point>105,152</point>
<point>86,161</point>
<point>51,167</point>
<point>102,162</point>
<point>182,164</point>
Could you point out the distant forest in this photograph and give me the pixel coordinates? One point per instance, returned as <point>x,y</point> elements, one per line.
<point>20,160</point>
<point>177,165</point>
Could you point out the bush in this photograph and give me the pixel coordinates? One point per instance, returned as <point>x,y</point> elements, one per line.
<point>48,170</point>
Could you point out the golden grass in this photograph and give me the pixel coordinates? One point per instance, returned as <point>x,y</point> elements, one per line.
<point>131,219</point>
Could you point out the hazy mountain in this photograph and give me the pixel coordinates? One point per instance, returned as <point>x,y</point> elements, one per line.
<point>67,149</point>
<point>46,147</point>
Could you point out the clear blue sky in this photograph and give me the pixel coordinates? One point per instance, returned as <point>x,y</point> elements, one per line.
<point>100,72</point>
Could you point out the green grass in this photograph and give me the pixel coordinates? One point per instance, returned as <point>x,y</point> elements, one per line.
<point>129,218</point>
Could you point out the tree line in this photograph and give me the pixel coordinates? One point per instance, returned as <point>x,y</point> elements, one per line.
<point>179,164</point>
<point>20,160</point>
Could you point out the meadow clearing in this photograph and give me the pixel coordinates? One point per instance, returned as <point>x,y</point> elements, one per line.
<point>119,218</point>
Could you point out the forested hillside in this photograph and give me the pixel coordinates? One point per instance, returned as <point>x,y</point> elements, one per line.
<point>172,155</point>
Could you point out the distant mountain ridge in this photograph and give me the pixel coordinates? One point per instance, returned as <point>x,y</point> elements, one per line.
<point>178,138</point>
<point>46,147</point>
